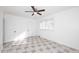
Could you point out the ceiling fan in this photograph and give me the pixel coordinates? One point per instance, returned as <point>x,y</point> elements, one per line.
<point>35,11</point>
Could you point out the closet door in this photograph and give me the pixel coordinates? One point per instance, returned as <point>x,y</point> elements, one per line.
<point>18,28</point>
<point>15,28</point>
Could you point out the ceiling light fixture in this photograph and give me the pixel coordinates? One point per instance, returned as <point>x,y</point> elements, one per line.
<point>35,11</point>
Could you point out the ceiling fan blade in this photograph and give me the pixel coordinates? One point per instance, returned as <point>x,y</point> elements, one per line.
<point>28,11</point>
<point>32,14</point>
<point>33,8</point>
<point>41,10</point>
<point>39,13</point>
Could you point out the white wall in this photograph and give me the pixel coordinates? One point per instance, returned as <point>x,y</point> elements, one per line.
<point>66,28</point>
<point>1,30</point>
<point>22,26</point>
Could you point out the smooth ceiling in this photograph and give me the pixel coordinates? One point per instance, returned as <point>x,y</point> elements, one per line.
<point>19,10</point>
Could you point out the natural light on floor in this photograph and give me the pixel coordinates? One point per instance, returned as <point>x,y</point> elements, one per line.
<point>21,36</point>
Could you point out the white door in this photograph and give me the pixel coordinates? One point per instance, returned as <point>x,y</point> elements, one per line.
<point>15,28</point>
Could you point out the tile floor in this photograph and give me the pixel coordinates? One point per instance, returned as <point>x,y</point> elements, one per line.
<point>36,44</point>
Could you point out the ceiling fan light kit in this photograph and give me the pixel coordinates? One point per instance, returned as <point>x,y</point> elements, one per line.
<point>36,11</point>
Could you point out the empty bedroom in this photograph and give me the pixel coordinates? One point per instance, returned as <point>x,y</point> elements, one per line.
<point>39,29</point>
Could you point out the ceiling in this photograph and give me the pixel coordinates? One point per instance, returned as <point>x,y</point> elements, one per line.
<point>19,10</point>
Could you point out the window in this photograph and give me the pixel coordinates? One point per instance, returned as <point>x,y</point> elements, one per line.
<point>47,24</point>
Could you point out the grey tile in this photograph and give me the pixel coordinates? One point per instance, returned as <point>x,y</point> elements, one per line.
<point>36,44</point>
